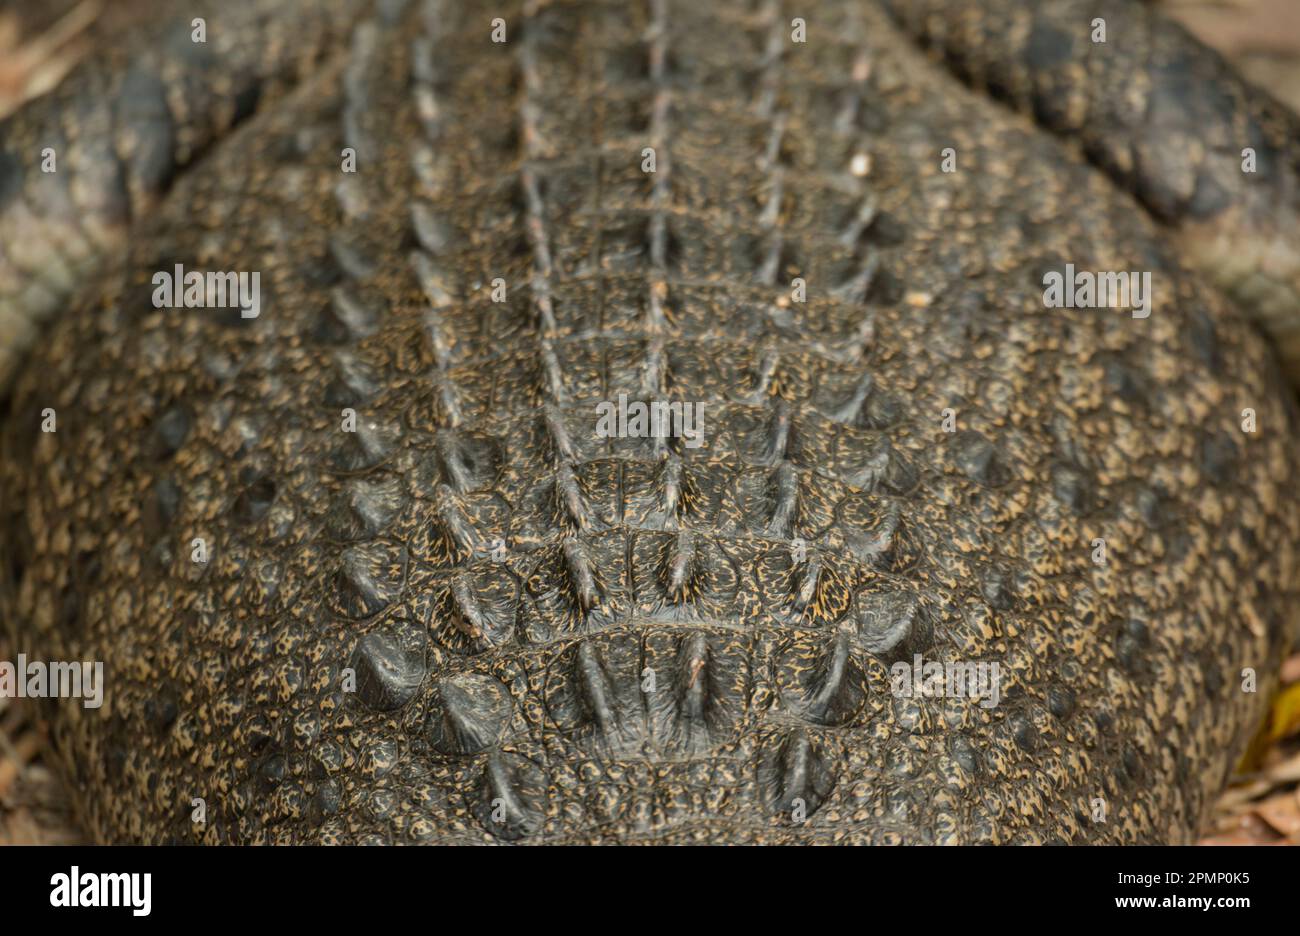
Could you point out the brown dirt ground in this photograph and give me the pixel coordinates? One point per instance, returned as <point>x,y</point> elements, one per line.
<point>40,40</point>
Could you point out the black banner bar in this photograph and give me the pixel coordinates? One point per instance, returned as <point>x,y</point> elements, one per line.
<point>338,886</point>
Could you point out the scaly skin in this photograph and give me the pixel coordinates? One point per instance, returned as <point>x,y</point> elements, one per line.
<point>123,127</point>
<point>1167,118</point>
<point>668,643</point>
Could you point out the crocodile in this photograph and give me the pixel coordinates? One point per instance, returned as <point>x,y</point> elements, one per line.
<point>395,554</point>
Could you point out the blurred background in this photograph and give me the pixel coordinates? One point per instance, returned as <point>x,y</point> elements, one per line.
<point>40,40</point>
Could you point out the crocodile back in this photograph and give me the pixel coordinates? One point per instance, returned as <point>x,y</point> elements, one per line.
<point>396,561</point>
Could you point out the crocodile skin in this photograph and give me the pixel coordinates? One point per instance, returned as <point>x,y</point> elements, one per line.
<point>148,105</point>
<point>1164,116</point>
<point>474,618</point>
